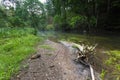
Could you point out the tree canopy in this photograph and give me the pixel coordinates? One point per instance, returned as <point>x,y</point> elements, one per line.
<point>85,14</point>
<point>65,15</point>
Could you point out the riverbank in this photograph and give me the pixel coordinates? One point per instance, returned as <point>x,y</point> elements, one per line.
<point>19,44</point>
<point>108,50</point>
<point>56,63</point>
<point>16,44</point>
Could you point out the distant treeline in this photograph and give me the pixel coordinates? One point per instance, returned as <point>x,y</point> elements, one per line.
<point>89,15</point>
<point>28,13</point>
<point>64,15</point>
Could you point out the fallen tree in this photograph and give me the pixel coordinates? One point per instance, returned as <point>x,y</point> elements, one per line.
<point>84,52</point>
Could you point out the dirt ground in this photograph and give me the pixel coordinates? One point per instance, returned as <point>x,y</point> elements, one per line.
<point>56,63</point>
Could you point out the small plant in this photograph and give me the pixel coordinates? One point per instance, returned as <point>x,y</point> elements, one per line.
<point>114,63</point>
<point>49,27</point>
<point>81,20</point>
<point>102,75</point>
<point>57,21</point>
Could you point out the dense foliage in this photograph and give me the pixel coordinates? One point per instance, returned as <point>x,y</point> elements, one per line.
<point>17,34</point>
<point>18,26</point>
<point>90,15</point>
<point>26,14</point>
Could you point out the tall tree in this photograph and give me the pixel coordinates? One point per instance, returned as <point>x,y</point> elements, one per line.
<point>35,12</point>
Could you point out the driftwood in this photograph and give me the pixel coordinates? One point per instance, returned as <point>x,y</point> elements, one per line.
<point>92,72</point>
<point>84,52</point>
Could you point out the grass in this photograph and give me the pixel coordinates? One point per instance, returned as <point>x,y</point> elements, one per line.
<point>114,63</point>
<point>15,46</point>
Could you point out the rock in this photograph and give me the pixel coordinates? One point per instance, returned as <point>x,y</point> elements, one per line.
<point>35,56</point>
<point>51,66</point>
<point>18,76</point>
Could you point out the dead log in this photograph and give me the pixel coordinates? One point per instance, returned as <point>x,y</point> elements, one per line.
<point>84,51</point>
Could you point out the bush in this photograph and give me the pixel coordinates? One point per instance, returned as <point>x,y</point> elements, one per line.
<point>114,63</point>
<point>49,27</point>
<point>57,21</point>
<point>15,32</point>
<point>78,20</point>
<point>4,23</point>
<point>92,21</point>
<point>16,22</point>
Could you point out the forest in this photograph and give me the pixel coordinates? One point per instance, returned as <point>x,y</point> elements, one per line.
<point>90,15</point>
<point>30,22</point>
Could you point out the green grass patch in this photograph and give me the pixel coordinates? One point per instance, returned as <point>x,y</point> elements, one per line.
<point>15,32</point>
<point>114,62</point>
<point>14,48</point>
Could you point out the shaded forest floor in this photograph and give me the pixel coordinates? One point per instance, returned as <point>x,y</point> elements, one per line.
<point>56,62</point>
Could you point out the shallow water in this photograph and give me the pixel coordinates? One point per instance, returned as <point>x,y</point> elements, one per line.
<point>105,43</point>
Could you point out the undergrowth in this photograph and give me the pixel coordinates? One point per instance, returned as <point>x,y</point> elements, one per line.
<point>15,45</point>
<point>114,63</point>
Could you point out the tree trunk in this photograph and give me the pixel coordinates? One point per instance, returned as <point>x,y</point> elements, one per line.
<point>63,16</point>
<point>95,8</point>
<point>63,11</point>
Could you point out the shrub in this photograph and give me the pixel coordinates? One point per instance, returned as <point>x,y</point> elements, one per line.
<point>114,63</point>
<point>15,32</point>
<point>92,21</point>
<point>16,22</point>
<point>57,21</point>
<point>49,27</point>
<point>78,20</point>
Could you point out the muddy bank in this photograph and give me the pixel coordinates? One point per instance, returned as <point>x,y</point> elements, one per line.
<point>54,63</point>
